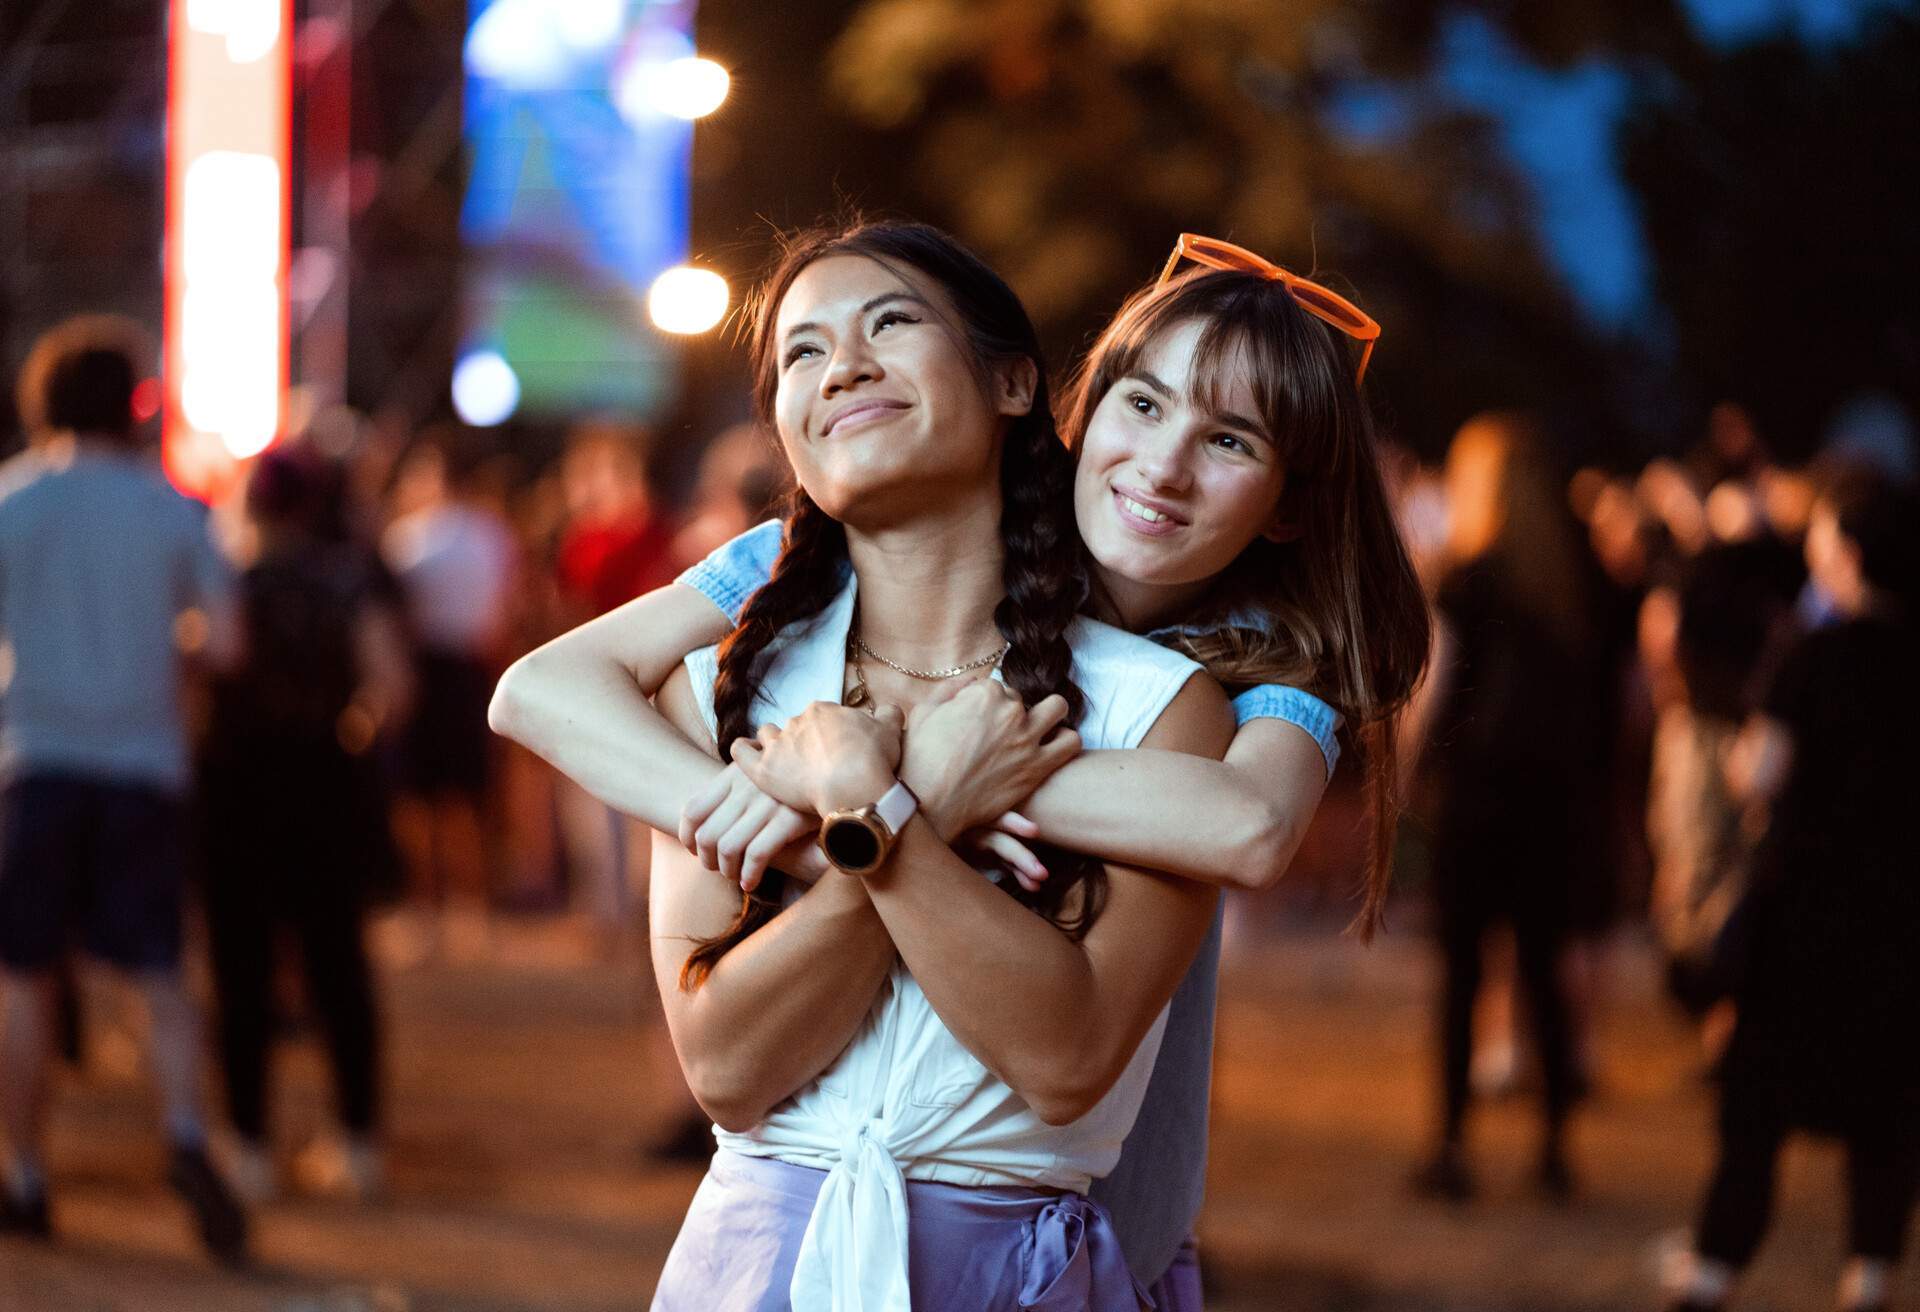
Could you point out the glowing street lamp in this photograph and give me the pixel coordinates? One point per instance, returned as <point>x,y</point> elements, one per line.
<point>686,300</point>
<point>688,88</point>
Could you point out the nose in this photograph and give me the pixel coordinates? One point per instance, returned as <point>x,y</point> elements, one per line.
<point>1162,461</point>
<point>851,362</point>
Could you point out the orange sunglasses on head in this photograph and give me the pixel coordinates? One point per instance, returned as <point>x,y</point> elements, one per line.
<point>1309,295</point>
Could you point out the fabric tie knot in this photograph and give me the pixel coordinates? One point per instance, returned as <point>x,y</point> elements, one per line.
<point>853,1257</point>
<point>1074,1262</point>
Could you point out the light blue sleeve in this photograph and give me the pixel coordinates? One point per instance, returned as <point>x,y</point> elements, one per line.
<point>734,571</point>
<point>1276,701</point>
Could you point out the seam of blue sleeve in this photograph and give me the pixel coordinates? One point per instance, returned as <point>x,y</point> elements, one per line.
<point>719,585</point>
<point>1295,706</point>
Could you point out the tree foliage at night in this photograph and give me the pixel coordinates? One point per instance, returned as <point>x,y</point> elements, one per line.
<point>1776,187</point>
<point>1071,139</point>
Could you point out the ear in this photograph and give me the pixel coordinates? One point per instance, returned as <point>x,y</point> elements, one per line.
<point>1014,384</point>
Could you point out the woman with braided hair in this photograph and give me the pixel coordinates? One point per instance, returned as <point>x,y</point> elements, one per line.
<point>886,1124</point>
<point>1231,497</point>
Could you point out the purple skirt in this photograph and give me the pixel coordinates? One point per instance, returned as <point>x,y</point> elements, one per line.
<point>1179,1289</point>
<point>969,1250</point>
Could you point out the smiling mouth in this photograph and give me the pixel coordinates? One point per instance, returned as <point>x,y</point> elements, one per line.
<point>1145,516</point>
<point>856,414</point>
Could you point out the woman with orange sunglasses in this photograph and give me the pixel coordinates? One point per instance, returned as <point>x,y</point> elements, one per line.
<point>1230,499</point>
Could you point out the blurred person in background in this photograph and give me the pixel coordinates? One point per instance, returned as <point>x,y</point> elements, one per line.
<point>1729,612</point>
<point>295,817</point>
<point>455,557</point>
<point>741,479</point>
<point>105,571</point>
<point>614,545</point>
<point>1827,997</point>
<point>1513,744</point>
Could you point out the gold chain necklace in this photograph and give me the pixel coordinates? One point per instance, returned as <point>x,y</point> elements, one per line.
<point>857,648</point>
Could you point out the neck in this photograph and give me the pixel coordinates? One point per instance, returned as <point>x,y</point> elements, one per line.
<point>1141,607</point>
<point>928,586</point>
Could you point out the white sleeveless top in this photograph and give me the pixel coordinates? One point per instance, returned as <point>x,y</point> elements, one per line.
<point>905,1101</point>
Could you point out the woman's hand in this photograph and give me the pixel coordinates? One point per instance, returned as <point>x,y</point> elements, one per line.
<point>737,829</point>
<point>978,753</point>
<point>1005,842</point>
<point>828,758</point>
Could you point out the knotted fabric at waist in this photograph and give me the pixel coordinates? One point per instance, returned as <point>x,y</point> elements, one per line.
<point>876,1242</point>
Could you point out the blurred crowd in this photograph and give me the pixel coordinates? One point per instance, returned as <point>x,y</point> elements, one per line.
<point>1680,698</point>
<point>1677,697</point>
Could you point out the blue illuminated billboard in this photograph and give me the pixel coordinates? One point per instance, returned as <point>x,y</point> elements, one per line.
<point>576,201</point>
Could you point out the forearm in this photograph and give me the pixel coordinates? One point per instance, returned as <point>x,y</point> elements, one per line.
<point>593,724</point>
<point>1018,994</point>
<point>1206,820</point>
<point>782,1005</point>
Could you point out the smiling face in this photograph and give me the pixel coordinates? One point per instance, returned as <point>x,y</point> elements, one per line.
<point>879,402</point>
<point>1174,483</point>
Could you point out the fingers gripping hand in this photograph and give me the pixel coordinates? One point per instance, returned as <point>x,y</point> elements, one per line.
<point>972,756</point>
<point>828,757</point>
<point>1009,852</point>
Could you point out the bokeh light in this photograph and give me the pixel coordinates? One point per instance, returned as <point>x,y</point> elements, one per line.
<point>486,391</point>
<point>687,300</point>
<point>687,88</point>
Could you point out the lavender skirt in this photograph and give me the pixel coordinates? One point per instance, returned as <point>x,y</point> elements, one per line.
<point>1179,1289</point>
<point>969,1250</point>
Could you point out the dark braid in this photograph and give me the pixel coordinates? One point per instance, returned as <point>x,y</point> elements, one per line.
<point>805,578</point>
<point>1045,571</point>
<point>1046,580</point>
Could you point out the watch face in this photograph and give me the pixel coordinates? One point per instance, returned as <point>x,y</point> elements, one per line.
<point>852,846</point>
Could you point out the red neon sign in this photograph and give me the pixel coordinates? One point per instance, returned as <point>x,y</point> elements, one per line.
<point>228,219</point>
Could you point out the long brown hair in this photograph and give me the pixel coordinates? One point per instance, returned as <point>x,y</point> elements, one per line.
<point>1044,571</point>
<point>1337,610</point>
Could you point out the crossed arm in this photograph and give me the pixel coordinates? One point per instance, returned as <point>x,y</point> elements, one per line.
<point>770,1018</point>
<point>580,702</point>
<point>1080,1008</point>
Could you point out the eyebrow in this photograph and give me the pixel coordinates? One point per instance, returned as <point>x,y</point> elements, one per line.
<point>1226,417</point>
<point>869,307</point>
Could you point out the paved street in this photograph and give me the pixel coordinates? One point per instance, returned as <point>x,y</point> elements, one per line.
<point>522,1091</point>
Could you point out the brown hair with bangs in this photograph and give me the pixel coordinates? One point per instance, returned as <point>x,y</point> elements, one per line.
<point>1336,610</point>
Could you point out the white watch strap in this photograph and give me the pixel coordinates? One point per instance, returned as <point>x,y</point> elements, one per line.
<point>896,806</point>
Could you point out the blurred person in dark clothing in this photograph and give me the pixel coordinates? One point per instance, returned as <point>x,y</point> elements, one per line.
<point>295,816</point>
<point>104,571</point>
<point>1513,746</point>
<point>1828,999</point>
<point>455,557</point>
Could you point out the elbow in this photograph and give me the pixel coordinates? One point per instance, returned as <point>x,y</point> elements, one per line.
<point>1058,1111</point>
<point>731,1102</point>
<point>1267,850</point>
<point>509,713</point>
<point>1063,1096</point>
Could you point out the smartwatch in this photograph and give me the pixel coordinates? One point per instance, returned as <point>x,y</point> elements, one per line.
<point>857,842</point>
